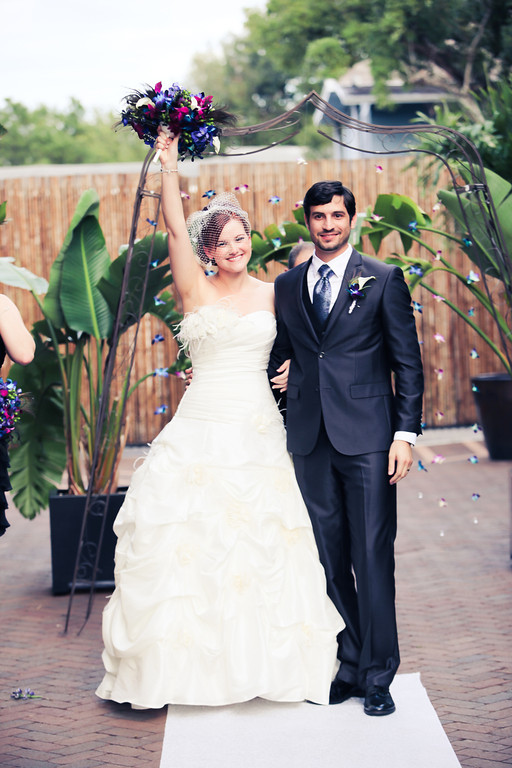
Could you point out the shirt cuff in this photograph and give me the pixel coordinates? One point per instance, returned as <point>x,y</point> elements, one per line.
<point>409,437</point>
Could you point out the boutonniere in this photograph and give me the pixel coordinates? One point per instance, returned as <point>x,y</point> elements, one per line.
<point>355,288</point>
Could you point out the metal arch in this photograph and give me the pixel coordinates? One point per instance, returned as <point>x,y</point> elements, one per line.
<point>472,165</point>
<point>463,162</point>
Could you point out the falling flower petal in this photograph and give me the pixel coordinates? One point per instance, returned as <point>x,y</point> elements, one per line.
<point>476,427</point>
<point>379,168</point>
<point>439,415</point>
<point>436,207</point>
<point>158,302</point>
<point>438,459</point>
<point>442,503</point>
<point>474,354</point>
<point>274,199</point>
<point>471,312</point>
<point>184,196</point>
<point>417,307</point>
<point>438,298</point>
<point>153,223</point>
<point>243,188</point>
<point>473,277</point>
<point>439,373</point>
<point>161,409</point>
<point>475,497</point>
<point>376,218</point>
<point>209,194</point>
<point>421,466</point>
<point>276,242</point>
<point>157,338</point>
<point>301,161</point>
<point>438,255</point>
<point>439,338</point>
<point>412,226</point>
<point>467,242</point>
<point>473,459</point>
<point>299,204</point>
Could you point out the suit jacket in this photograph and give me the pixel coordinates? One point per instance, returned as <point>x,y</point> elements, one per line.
<point>363,375</point>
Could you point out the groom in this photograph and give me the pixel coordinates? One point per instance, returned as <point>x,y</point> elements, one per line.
<point>354,398</point>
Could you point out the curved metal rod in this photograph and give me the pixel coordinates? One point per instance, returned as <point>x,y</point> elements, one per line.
<point>91,497</point>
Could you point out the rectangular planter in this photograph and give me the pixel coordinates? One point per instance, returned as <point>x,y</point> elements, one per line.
<point>66,513</point>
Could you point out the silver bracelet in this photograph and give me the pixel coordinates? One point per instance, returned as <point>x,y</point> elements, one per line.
<point>168,170</point>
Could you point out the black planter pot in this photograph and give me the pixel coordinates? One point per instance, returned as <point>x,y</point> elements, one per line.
<point>66,513</point>
<point>493,399</point>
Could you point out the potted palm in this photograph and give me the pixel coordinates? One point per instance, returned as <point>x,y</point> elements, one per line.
<point>66,380</point>
<point>398,213</point>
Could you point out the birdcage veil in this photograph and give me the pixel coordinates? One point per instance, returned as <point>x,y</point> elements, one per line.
<point>205,226</point>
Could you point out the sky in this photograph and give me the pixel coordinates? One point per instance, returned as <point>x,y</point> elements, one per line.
<point>99,50</point>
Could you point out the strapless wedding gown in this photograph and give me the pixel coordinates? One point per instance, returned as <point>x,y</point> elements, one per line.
<point>220,596</point>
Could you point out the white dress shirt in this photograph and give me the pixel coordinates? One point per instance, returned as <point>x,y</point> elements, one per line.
<point>338,266</point>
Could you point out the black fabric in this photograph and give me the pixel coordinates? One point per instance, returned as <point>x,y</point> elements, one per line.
<point>5,484</point>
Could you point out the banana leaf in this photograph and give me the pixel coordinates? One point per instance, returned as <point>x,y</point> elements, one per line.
<point>19,277</point>
<point>482,251</point>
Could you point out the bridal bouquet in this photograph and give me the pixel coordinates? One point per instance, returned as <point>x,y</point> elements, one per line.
<point>176,110</point>
<point>10,406</point>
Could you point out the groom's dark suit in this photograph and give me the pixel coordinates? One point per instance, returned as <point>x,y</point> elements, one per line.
<point>343,408</point>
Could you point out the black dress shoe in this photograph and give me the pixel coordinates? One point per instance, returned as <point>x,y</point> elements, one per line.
<point>378,701</point>
<point>341,691</point>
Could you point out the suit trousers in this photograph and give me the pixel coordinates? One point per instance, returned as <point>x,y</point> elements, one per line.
<point>352,508</point>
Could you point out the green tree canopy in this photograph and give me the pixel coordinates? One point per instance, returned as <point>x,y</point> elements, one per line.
<point>43,136</point>
<point>290,48</point>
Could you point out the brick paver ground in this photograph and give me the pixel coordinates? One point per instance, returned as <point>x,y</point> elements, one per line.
<point>454,590</point>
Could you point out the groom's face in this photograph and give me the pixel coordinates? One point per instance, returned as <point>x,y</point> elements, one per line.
<point>330,226</point>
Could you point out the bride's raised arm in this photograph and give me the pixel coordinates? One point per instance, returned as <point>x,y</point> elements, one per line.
<point>187,273</point>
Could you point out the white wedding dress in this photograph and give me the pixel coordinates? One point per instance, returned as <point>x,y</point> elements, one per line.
<point>220,596</point>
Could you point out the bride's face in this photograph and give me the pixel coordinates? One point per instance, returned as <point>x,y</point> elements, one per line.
<point>233,249</point>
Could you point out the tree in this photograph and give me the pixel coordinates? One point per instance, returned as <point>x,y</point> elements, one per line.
<point>291,47</point>
<point>42,136</point>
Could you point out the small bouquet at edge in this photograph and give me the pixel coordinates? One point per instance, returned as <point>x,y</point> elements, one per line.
<point>10,406</point>
<point>176,110</point>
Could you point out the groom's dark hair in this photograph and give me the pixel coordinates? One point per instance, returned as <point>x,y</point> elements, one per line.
<point>323,192</point>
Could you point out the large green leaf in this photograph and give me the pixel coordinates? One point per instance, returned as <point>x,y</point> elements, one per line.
<point>482,251</point>
<point>84,263</point>
<point>88,205</point>
<point>19,277</point>
<point>396,211</point>
<point>38,460</point>
<point>159,277</point>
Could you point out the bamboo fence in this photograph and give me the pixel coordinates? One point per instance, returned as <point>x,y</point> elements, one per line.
<point>40,206</point>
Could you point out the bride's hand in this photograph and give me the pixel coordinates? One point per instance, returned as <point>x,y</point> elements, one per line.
<point>168,148</point>
<point>280,382</point>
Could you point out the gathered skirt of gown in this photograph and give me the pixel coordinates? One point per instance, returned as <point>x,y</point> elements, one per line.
<point>220,596</point>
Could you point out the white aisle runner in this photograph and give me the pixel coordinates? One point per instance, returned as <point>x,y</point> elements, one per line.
<point>264,734</point>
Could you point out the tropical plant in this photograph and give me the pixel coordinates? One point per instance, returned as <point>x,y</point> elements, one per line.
<point>277,241</point>
<point>73,345</point>
<point>398,213</point>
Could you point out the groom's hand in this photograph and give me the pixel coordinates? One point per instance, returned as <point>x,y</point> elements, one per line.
<point>280,381</point>
<point>400,460</point>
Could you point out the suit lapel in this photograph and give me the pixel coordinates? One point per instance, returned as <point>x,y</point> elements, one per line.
<point>300,286</point>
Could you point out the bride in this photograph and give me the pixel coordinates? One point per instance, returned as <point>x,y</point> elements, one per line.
<point>220,596</point>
